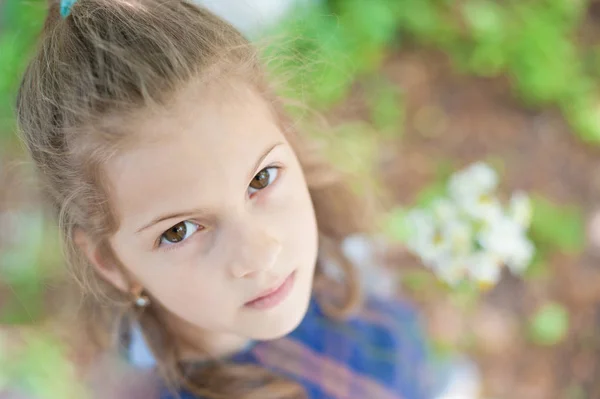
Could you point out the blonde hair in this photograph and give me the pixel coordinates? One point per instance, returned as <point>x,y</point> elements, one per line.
<point>105,62</point>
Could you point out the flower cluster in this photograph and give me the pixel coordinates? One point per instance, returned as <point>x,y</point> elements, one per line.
<point>469,234</point>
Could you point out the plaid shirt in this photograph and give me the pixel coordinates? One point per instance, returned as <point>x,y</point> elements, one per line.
<point>379,353</point>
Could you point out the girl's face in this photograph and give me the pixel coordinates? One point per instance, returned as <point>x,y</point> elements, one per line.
<point>215,212</point>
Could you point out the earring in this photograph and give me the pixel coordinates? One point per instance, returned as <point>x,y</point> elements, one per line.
<point>142,301</point>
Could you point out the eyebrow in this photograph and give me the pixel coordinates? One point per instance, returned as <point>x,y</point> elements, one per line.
<point>177,215</point>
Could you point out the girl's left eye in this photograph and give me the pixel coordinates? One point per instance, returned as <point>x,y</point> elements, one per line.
<point>178,233</point>
<point>263,179</point>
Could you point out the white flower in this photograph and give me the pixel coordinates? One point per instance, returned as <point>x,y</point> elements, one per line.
<point>484,208</point>
<point>432,240</point>
<point>485,268</point>
<point>499,237</point>
<point>472,190</point>
<point>474,181</point>
<point>520,209</point>
<point>444,247</point>
<point>444,210</point>
<point>507,239</point>
<point>421,226</point>
<point>520,258</point>
<point>458,234</point>
<point>451,270</point>
<point>470,234</point>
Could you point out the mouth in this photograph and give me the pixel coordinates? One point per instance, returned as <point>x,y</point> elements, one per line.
<point>273,296</point>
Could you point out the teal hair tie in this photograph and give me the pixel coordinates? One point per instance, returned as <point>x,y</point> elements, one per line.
<point>65,7</point>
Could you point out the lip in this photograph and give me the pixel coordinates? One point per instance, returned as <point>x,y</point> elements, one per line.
<point>273,296</point>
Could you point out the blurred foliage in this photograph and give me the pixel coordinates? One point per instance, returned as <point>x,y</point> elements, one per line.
<point>40,369</point>
<point>558,227</point>
<point>29,261</point>
<point>554,228</point>
<point>323,53</point>
<point>20,24</point>
<point>549,325</point>
<point>329,46</point>
<point>385,101</point>
<point>575,391</point>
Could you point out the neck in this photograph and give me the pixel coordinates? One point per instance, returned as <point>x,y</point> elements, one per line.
<point>195,344</point>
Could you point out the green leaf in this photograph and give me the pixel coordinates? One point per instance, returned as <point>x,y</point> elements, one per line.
<point>442,348</point>
<point>549,325</point>
<point>486,20</point>
<point>387,107</point>
<point>417,280</point>
<point>431,193</point>
<point>310,50</point>
<point>538,267</point>
<point>43,371</point>
<point>23,304</point>
<point>575,391</point>
<point>368,28</point>
<point>4,365</point>
<point>584,116</point>
<point>557,227</point>
<point>444,168</point>
<point>465,295</point>
<point>20,23</point>
<point>373,22</point>
<point>427,21</point>
<point>394,225</point>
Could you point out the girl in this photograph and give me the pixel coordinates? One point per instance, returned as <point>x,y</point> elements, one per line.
<point>190,204</point>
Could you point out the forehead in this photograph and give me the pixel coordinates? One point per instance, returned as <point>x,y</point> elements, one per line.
<point>196,153</point>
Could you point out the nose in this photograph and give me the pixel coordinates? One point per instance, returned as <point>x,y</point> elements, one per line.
<point>256,252</point>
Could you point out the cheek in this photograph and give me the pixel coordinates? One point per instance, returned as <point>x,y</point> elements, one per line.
<point>299,221</point>
<point>182,287</point>
<point>192,294</point>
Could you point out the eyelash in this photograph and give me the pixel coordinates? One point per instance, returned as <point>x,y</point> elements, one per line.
<point>277,168</point>
<point>170,247</point>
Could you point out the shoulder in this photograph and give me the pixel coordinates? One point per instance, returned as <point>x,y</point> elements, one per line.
<point>376,316</point>
<point>382,343</point>
<point>390,325</point>
<point>394,314</point>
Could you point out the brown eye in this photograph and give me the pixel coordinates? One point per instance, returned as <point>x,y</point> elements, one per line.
<point>263,179</point>
<point>179,232</point>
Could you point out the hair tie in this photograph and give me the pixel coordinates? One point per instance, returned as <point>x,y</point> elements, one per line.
<point>65,7</point>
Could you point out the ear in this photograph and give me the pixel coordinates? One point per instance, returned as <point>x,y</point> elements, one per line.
<point>102,261</point>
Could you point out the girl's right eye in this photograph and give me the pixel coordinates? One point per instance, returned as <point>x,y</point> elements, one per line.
<point>178,233</point>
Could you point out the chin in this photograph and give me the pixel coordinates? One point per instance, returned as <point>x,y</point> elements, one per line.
<point>286,317</point>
